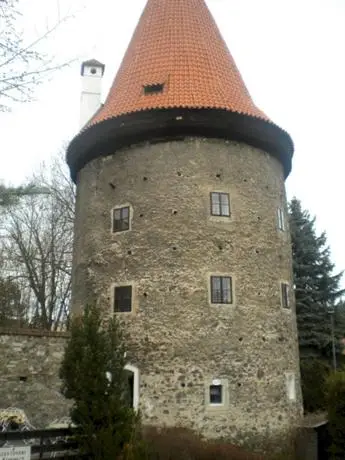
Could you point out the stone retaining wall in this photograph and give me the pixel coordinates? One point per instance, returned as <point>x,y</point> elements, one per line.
<point>29,368</point>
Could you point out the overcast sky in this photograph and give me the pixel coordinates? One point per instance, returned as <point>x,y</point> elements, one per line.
<point>291,55</point>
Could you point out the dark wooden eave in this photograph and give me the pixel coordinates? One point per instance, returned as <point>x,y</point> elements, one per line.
<point>108,136</point>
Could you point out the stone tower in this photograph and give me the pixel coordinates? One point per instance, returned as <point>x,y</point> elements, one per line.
<point>181,231</point>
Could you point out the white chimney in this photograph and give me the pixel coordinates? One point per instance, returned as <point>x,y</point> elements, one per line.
<point>90,101</point>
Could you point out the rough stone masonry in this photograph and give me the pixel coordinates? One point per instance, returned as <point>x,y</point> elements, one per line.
<point>29,367</point>
<point>181,343</point>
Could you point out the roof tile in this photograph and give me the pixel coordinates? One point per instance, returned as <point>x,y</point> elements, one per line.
<point>177,42</point>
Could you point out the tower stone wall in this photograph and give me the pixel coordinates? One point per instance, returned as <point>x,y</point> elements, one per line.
<point>180,342</point>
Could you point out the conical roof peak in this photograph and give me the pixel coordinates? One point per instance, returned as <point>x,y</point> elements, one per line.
<point>177,79</point>
<point>177,44</point>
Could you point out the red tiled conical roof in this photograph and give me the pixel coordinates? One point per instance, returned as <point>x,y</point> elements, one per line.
<point>177,43</point>
<point>177,79</point>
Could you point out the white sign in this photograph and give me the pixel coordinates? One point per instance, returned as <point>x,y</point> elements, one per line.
<point>15,453</point>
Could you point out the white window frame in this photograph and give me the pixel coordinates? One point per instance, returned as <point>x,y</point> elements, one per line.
<point>281,219</point>
<point>220,194</point>
<point>221,277</point>
<point>225,394</point>
<point>134,303</point>
<point>290,383</point>
<point>216,383</point>
<point>136,384</point>
<point>130,218</point>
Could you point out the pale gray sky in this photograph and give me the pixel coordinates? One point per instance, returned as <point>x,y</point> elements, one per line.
<point>291,55</point>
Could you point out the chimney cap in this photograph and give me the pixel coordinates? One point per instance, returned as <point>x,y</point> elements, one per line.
<point>91,63</point>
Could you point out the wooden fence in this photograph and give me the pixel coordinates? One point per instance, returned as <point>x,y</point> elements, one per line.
<point>51,443</point>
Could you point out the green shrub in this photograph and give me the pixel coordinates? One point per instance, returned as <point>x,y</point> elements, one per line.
<point>93,376</point>
<point>314,373</point>
<point>335,398</point>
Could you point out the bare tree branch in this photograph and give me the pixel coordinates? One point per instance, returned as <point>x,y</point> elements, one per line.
<point>37,247</point>
<point>23,65</point>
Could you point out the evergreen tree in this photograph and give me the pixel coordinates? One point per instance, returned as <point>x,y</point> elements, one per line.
<point>316,287</point>
<point>93,376</point>
<point>335,397</point>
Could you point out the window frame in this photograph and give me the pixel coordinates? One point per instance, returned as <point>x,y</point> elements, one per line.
<point>281,219</point>
<point>290,385</point>
<point>217,385</point>
<point>285,295</point>
<point>212,291</point>
<point>121,209</point>
<point>216,407</point>
<point>118,287</point>
<point>219,199</point>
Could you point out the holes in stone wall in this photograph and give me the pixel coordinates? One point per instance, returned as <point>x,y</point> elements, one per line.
<point>174,212</point>
<point>220,247</point>
<point>112,185</point>
<point>239,384</point>
<point>257,251</point>
<point>264,339</point>
<point>129,252</point>
<point>23,378</point>
<point>183,384</point>
<point>145,294</point>
<point>218,176</point>
<point>144,178</point>
<point>179,173</point>
<point>240,339</point>
<point>141,215</point>
<point>260,374</point>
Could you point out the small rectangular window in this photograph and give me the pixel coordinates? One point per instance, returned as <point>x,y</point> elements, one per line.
<point>123,299</point>
<point>220,204</point>
<point>121,219</point>
<point>281,219</point>
<point>153,89</point>
<point>285,295</point>
<point>290,386</point>
<point>216,394</point>
<point>221,289</point>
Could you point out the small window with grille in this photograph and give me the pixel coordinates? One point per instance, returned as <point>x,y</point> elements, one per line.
<point>216,394</point>
<point>121,219</point>
<point>220,204</point>
<point>123,299</point>
<point>221,289</point>
<point>285,295</point>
